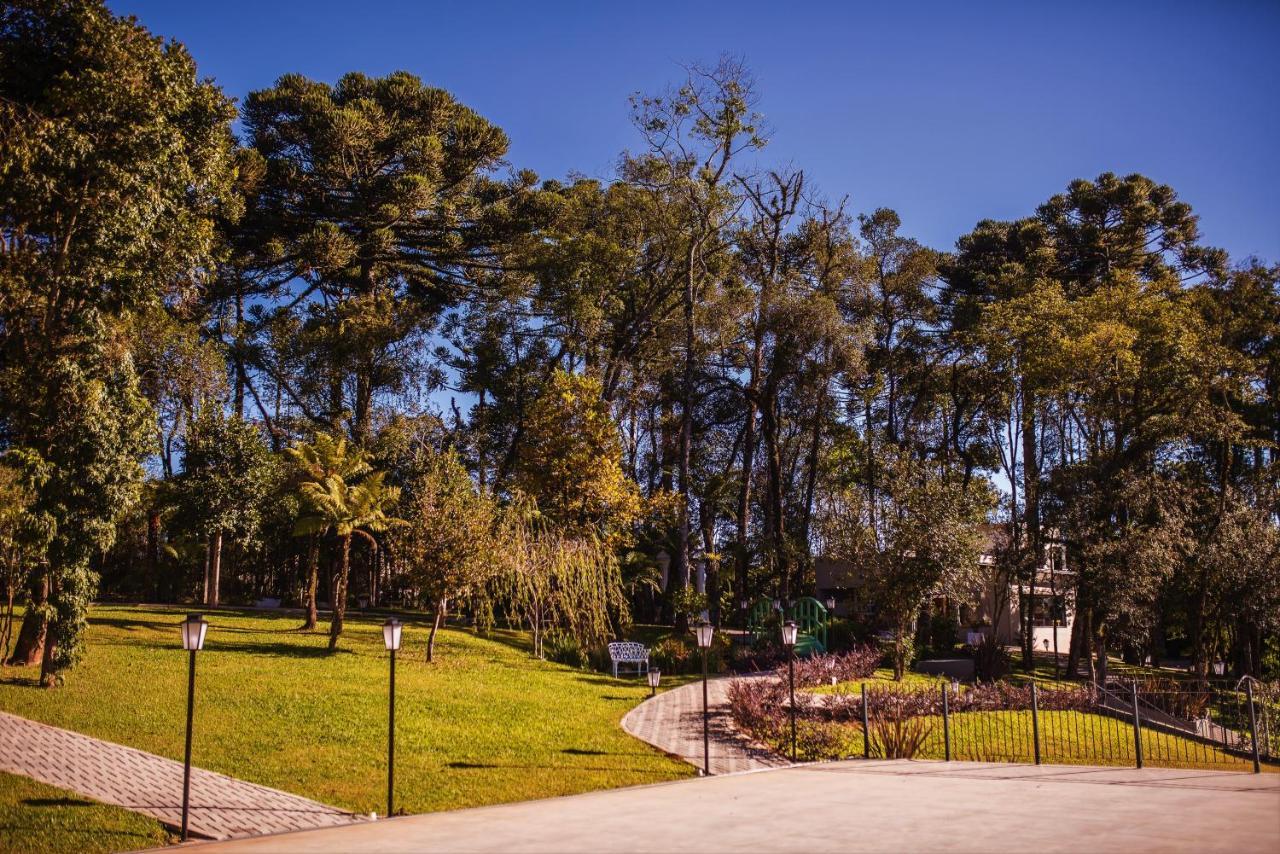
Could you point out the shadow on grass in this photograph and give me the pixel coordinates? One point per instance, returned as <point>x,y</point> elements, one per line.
<point>516,640</point>
<point>546,766</point>
<point>56,802</point>
<point>280,650</point>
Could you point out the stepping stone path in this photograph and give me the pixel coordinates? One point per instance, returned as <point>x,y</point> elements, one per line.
<point>222,807</point>
<point>672,722</point>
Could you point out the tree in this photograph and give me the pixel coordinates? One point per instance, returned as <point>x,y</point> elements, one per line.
<point>346,510</point>
<point>547,579</point>
<point>372,212</point>
<point>229,475</point>
<point>114,161</point>
<point>448,542</point>
<point>571,462</point>
<point>914,535</point>
<point>318,461</point>
<point>694,133</point>
<point>24,535</point>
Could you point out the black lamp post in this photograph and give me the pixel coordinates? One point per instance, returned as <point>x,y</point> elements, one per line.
<point>391,631</point>
<point>789,632</point>
<point>703,631</point>
<point>194,628</point>
<point>655,676</point>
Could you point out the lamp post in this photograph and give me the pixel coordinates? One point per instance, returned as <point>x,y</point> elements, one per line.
<point>703,631</point>
<point>194,629</point>
<point>789,632</point>
<point>391,631</point>
<point>655,676</point>
<point>831,604</point>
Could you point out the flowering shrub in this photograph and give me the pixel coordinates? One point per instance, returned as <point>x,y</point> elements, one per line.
<point>670,655</point>
<point>859,663</point>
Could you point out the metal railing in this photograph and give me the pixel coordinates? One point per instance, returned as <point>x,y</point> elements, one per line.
<point>1125,722</point>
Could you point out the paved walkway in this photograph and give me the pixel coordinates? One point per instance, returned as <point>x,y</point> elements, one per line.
<point>221,807</point>
<point>672,722</point>
<point>856,805</point>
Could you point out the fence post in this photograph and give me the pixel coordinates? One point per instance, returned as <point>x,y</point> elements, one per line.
<point>1253,726</point>
<point>866,726</point>
<point>1035,720</point>
<point>1137,726</point>
<point>946,722</point>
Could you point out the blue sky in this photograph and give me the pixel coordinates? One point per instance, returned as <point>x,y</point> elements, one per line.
<point>948,112</point>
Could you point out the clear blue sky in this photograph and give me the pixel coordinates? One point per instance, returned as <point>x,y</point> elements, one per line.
<point>949,112</point>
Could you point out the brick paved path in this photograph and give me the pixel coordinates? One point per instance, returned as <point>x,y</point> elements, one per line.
<point>221,807</point>
<point>672,721</point>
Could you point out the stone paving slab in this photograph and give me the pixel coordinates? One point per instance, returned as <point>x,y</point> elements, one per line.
<point>672,722</point>
<point>222,807</point>
<point>850,806</point>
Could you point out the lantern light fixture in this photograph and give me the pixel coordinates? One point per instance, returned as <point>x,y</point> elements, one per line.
<point>391,632</point>
<point>194,628</point>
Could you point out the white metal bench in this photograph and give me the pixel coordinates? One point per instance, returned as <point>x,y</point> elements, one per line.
<point>629,652</point>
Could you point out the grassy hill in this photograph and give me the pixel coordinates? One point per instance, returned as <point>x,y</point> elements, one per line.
<point>484,724</point>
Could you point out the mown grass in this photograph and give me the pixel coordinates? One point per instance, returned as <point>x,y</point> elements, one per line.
<point>1066,738</point>
<point>39,818</point>
<point>486,723</point>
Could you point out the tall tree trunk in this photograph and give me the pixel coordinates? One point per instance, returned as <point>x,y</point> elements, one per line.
<point>340,594</point>
<point>215,570</point>
<point>1031,504</point>
<point>153,551</point>
<point>29,647</point>
<point>238,360</point>
<point>686,441</point>
<point>442,606</point>
<point>313,583</point>
<point>208,560</point>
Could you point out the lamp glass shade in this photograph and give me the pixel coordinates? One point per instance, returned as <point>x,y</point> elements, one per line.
<point>194,628</point>
<point>703,632</point>
<point>391,633</point>
<point>831,603</point>
<point>789,632</point>
<point>654,677</point>
<point>777,604</point>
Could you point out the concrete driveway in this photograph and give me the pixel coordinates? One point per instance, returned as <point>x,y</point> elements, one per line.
<point>851,806</point>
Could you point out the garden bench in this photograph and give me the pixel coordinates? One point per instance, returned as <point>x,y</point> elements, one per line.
<point>629,652</point>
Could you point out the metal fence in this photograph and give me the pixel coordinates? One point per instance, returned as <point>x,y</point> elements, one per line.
<point>1125,722</point>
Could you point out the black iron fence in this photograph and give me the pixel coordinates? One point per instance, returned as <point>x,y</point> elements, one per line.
<point>1125,722</point>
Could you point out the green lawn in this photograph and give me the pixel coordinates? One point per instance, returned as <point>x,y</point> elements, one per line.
<point>484,724</point>
<point>39,818</point>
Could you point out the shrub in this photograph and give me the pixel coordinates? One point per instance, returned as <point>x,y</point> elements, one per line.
<point>898,726</point>
<point>764,653</point>
<point>563,648</point>
<point>840,635</point>
<point>818,740</point>
<point>859,663</point>
<point>718,655</point>
<point>990,660</point>
<point>755,706</point>
<point>670,655</point>
<point>943,636</point>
